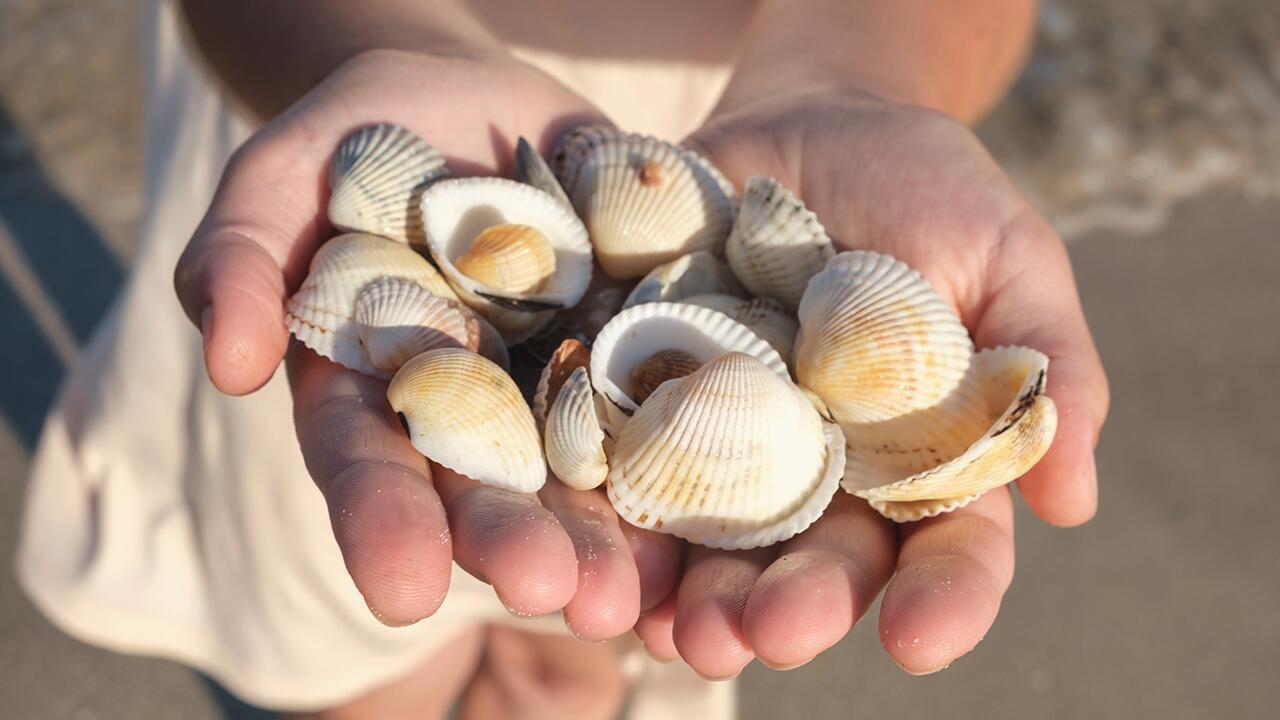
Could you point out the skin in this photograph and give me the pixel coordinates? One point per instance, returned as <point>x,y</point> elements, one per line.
<point>867,126</point>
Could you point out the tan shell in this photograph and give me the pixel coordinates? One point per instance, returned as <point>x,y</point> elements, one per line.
<point>658,368</point>
<point>697,273</point>
<point>512,258</point>
<point>776,244</point>
<point>377,178</point>
<point>321,313</point>
<point>466,413</point>
<point>569,356</point>
<point>645,201</point>
<point>531,169</point>
<point>766,317</point>
<point>575,442</point>
<point>731,456</point>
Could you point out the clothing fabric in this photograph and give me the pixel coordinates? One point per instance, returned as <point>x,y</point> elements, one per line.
<point>164,518</point>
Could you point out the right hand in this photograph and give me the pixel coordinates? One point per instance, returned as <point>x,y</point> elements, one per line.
<point>400,521</point>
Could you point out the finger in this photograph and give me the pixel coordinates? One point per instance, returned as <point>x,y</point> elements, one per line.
<point>709,607</point>
<point>387,519</point>
<point>823,581</point>
<point>1036,304</point>
<point>952,572</point>
<point>658,561</point>
<point>607,601</point>
<point>655,630</point>
<point>510,541</point>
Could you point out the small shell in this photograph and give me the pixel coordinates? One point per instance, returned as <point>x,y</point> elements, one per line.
<point>995,427</point>
<point>515,259</point>
<point>531,169</point>
<point>645,201</point>
<point>397,319</point>
<point>574,440</point>
<point>730,457</point>
<point>766,317</point>
<point>697,273</point>
<point>455,212</point>
<point>876,342</point>
<point>776,244</point>
<point>569,356</point>
<point>467,414</point>
<point>377,178</point>
<point>321,313</point>
<point>658,368</point>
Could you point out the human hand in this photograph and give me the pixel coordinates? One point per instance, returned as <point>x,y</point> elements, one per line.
<point>400,521</point>
<point>916,185</point>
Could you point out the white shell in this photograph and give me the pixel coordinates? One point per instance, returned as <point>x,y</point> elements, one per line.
<point>377,178</point>
<point>697,273</point>
<point>321,313</point>
<point>645,201</point>
<point>570,355</point>
<point>766,317</point>
<point>467,414</point>
<point>876,342</point>
<point>732,457</point>
<point>573,438</point>
<point>397,319</point>
<point>455,211</point>
<point>995,427</point>
<point>531,169</point>
<point>776,244</point>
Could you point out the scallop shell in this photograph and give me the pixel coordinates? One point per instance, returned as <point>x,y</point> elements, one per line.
<point>456,211</point>
<point>321,313</point>
<point>574,441</point>
<point>466,413</point>
<point>992,429</point>
<point>776,244</point>
<point>766,317</point>
<point>645,201</point>
<point>531,169</point>
<point>876,342</point>
<point>731,457</point>
<point>697,273</point>
<point>569,356</point>
<point>377,178</point>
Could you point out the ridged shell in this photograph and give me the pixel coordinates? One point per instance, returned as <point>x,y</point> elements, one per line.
<point>569,356</point>
<point>776,244</point>
<point>645,201</point>
<point>531,169</point>
<point>995,427</point>
<point>574,440</point>
<point>397,319</point>
<point>876,342</point>
<point>510,258</point>
<point>377,178</point>
<point>658,368</point>
<point>321,313</point>
<point>766,317</point>
<point>730,457</point>
<point>697,273</point>
<point>456,211</point>
<point>466,413</point>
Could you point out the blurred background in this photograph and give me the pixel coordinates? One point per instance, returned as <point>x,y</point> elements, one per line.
<point>1147,130</point>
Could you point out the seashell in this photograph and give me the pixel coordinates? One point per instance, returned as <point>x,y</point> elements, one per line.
<point>732,456</point>
<point>531,169</point>
<point>574,441</point>
<point>658,368</point>
<point>466,413</point>
<point>377,178</point>
<point>637,333</point>
<point>397,319</point>
<point>516,259</point>
<point>697,273</point>
<point>645,201</point>
<point>776,244</point>
<point>992,429</point>
<point>569,356</point>
<point>876,342</point>
<point>766,317</point>
<point>456,212</point>
<point>321,313</point>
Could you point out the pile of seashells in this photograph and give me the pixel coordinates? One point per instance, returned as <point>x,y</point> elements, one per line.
<point>724,403</point>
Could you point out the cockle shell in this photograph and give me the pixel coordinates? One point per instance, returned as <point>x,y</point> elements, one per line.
<point>574,441</point>
<point>531,169</point>
<point>766,317</point>
<point>776,244</point>
<point>658,368</point>
<point>697,273</point>
<point>876,342</point>
<point>514,259</point>
<point>456,211</point>
<point>732,456</point>
<point>377,177</point>
<point>321,313</point>
<point>467,414</point>
<point>645,201</point>
<point>570,355</point>
<point>995,426</point>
